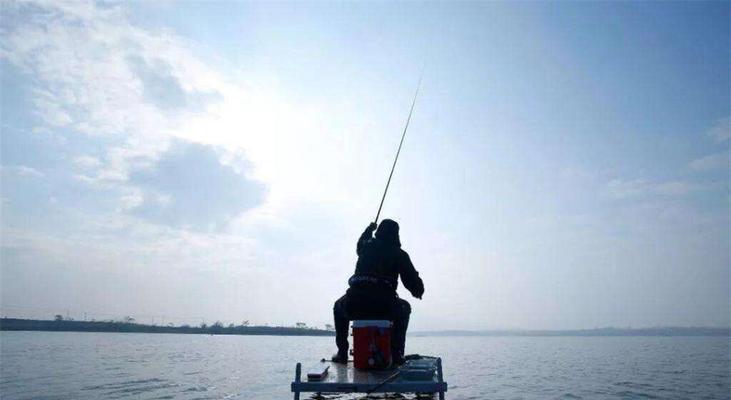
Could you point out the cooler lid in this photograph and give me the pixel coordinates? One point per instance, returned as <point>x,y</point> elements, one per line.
<point>378,323</point>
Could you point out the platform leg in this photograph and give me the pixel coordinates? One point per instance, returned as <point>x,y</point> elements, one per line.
<point>297,379</point>
<point>440,377</point>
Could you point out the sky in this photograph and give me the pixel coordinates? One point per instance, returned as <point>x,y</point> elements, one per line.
<point>567,165</point>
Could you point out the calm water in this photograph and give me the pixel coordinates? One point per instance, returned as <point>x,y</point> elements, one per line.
<point>45,365</point>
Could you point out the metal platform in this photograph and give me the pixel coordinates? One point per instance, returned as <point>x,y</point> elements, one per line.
<point>415,376</point>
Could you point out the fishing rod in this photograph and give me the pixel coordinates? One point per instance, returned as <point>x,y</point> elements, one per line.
<point>385,381</point>
<point>393,167</point>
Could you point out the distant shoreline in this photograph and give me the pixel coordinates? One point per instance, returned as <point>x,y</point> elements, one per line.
<point>598,332</point>
<point>18,324</point>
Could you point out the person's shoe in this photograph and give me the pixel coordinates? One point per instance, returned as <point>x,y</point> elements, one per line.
<point>341,358</point>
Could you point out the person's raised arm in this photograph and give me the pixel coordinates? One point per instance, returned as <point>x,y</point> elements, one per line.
<point>410,277</point>
<point>365,236</point>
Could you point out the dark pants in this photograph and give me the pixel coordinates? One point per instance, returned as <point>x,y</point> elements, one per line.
<point>362,305</point>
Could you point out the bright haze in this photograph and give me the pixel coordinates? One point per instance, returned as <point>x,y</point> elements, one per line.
<point>567,165</point>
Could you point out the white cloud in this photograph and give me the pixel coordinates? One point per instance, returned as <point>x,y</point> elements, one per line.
<point>674,188</point>
<point>189,186</point>
<point>132,200</point>
<point>22,170</point>
<point>620,189</point>
<point>146,88</point>
<point>711,162</point>
<point>722,130</point>
<point>86,161</point>
<point>110,92</point>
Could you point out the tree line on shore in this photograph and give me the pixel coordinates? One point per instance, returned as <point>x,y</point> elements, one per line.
<point>128,324</point>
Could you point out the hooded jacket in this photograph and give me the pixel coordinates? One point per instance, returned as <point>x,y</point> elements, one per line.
<point>381,261</point>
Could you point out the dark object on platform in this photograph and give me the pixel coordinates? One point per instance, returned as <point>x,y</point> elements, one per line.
<point>318,372</point>
<point>422,375</point>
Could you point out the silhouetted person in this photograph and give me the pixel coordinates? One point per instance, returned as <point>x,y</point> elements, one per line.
<point>372,292</point>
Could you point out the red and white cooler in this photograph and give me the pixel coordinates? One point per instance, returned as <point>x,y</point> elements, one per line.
<point>371,344</point>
